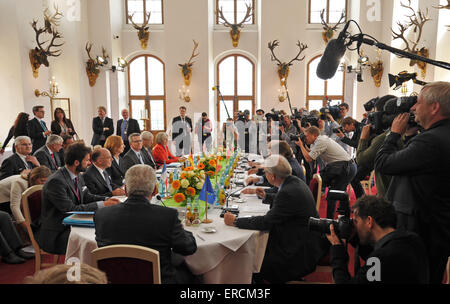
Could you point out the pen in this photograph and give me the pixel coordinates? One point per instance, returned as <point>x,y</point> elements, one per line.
<point>200,237</point>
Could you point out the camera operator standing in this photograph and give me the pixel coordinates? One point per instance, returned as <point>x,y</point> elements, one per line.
<point>339,170</point>
<point>288,129</point>
<point>419,187</point>
<point>398,256</point>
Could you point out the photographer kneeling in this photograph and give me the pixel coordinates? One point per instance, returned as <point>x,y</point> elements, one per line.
<point>398,256</point>
<point>339,170</point>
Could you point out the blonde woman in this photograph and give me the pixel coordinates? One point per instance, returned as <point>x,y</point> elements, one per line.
<point>115,145</point>
<point>161,152</point>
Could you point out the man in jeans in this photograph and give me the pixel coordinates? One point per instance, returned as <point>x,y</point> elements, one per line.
<point>339,170</point>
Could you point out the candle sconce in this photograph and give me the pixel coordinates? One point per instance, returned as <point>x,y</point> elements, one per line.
<point>52,92</point>
<point>184,93</point>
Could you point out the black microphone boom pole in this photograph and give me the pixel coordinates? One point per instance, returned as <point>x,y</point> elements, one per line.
<point>224,104</point>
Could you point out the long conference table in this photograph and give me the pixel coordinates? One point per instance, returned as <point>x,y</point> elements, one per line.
<point>228,256</point>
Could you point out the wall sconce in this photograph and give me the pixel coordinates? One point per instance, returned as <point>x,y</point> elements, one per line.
<point>183,93</point>
<point>52,92</point>
<point>121,65</point>
<point>282,94</point>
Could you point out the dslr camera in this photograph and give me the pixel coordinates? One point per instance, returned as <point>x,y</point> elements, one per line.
<point>368,106</point>
<point>274,115</point>
<point>336,130</point>
<point>343,226</point>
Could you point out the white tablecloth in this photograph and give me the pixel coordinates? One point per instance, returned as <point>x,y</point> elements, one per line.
<point>228,256</point>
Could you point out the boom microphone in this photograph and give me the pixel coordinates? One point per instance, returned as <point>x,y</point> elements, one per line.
<point>331,58</point>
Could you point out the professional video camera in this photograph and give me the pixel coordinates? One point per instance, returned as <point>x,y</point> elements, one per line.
<point>296,137</point>
<point>274,115</point>
<point>333,110</point>
<point>343,226</point>
<point>368,106</point>
<point>310,119</point>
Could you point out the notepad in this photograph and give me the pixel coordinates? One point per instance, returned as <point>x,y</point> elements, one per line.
<point>85,220</point>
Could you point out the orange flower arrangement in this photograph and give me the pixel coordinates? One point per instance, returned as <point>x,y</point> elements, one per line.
<point>190,191</point>
<point>176,184</point>
<point>189,168</point>
<point>212,163</point>
<point>210,173</point>
<point>179,197</point>
<point>183,175</point>
<point>201,166</point>
<point>220,158</point>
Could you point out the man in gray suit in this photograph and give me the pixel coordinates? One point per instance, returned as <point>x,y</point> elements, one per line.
<point>135,155</point>
<point>48,155</point>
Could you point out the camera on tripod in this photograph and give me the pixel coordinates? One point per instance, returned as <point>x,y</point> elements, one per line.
<point>343,226</point>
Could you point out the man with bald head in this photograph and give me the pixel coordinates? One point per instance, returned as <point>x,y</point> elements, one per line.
<point>125,127</point>
<point>97,178</point>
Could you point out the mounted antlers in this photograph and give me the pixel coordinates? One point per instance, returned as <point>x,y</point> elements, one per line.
<point>443,6</point>
<point>143,33</point>
<point>329,31</point>
<point>236,28</point>
<point>283,67</point>
<point>92,65</point>
<point>39,55</point>
<point>186,68</point>
<point>416,20</point>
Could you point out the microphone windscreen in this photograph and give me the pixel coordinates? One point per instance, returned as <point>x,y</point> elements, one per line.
<point>331,59</point>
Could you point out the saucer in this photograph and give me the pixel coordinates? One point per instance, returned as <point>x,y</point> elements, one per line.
<point>209,229</point>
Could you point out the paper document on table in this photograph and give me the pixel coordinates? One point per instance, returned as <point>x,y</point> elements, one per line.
<point>255,208</point>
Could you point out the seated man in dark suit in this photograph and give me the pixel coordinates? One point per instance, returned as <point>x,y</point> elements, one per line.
<point>37,129</point>
<point>97,179</point>
<point>20,160</point>
<point>63,192</point>
<point>102,126</point>
<point>147,142</point>
<point>292,250</point>
<point>67,141</point>
<point>48,155</point>
<point>138,222</point>
<point>135,155</point>
<point>125,127</point>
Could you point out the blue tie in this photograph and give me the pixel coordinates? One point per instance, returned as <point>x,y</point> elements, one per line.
<point>140,158</point>
<point>108,182</point>
<point>43,125</point>
<point>124,126</point>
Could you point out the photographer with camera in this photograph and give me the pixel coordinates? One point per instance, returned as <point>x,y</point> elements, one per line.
<point>261,131</point>
<point>398,256</point>
<point>288,131</point>
<point>419,187</point>
<point>292,250</point>
<point>340,168</point>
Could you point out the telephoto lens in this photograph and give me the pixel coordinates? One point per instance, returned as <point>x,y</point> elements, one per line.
<point>343,227</point>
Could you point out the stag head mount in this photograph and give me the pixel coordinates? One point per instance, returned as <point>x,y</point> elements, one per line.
<point>186,68</point>
<point>143,32</point>
<point>283,67</point>
<point>39,55</point>
<point>328,32</point>
<point>93,65</point>
<point>416,22</point>
<point>235,32</point>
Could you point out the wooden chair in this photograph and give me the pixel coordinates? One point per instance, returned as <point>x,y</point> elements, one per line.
<point>31,206</point>
<point>128,264</point>
<point>448,271</point>
<point>315,185</point>
<point>367,184</point>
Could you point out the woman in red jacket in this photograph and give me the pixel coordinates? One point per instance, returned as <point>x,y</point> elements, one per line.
<point>161,152</point>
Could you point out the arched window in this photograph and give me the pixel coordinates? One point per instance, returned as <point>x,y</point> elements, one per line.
<point>141,7</point>
<point>234,10</point>
<point>318,91</point>
<point>147,92</point>
<point>333,10</point>
<point>236,80</point>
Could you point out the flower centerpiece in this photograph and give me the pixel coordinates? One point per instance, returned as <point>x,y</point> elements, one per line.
<point>188,186</point>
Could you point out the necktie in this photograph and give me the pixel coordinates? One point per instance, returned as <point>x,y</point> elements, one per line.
<point>108,181</point>
<point>75,181</point>
<point>124,127</point>
<point>140,158</point>
<point>54,161</point>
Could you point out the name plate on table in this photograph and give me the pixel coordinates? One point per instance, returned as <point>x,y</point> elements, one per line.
<point>80,218</point>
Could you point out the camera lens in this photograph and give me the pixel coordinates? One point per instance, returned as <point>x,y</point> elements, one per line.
<point>321,225</point>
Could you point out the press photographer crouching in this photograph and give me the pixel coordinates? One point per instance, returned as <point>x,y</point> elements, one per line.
<point>419,187</point>
<point>397,256</point>
<point>340,168</point>
<point>292,250</point>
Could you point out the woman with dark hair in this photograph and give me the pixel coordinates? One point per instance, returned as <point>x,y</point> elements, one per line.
<point>62,125</point>
<point>18,129</point>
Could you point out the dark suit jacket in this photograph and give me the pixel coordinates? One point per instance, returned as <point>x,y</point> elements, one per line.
<point>13,165</point>
<point>132,127</point>
<point>130,159</point>
<point>45,159</point>
<point>178,128</point>
<point>36,133</point>
<point>116,173</point>
<point>97,127</point>
<point>96,183</point>
<point>58,198</point>
<point>56,128</point>
<point>138,222</point>
<point>149,157</point>
<point>292,250</point>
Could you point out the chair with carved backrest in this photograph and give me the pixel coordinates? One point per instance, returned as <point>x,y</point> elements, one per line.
<point>367,183</point>
<point>128,264</point>
<point>31,206</point>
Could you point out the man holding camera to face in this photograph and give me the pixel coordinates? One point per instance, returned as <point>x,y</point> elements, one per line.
<point>396,257</point>
<point>419,187</point>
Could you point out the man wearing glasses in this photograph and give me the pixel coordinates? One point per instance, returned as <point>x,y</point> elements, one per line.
<point>134,156</point>
<point>37,129</point>
<point>19,161</point>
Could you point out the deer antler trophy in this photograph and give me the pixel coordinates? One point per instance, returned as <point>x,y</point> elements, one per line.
<point>444,7</point>
<point>376,70</point>
<point>236,28</point>
<point>283,67</point>
<point>416,20</point>
<point>186,68</point>
<point>39,55</point>
<point>143,33</point>
<point>92,65</point>
<point>328,33</point>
